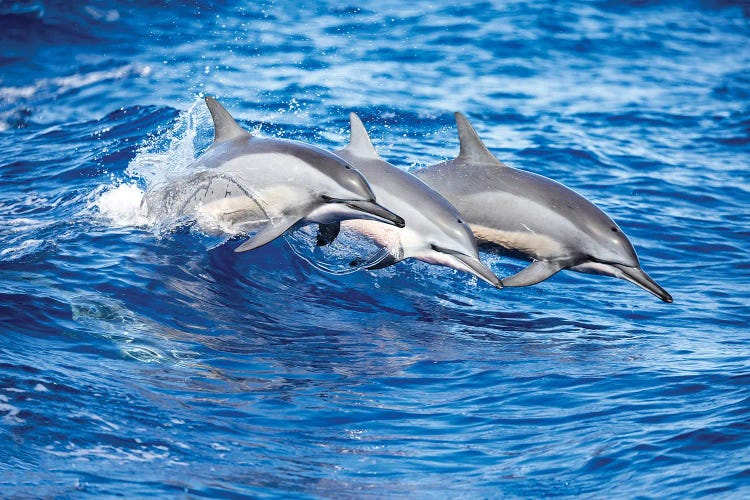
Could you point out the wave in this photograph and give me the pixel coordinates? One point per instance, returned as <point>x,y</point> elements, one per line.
<point>17,103</point>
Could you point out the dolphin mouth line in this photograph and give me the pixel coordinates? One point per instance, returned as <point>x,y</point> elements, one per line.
<point>476,267</point>
<point>606,262</point>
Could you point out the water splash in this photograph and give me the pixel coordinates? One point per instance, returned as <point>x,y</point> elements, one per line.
<point>169,155</point>
<point>163,157</point>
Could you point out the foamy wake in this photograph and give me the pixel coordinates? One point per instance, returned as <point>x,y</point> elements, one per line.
<point>166,156</point>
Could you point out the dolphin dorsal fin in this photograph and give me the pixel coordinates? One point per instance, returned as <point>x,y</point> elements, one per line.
<point>359,141</point>
<point>225,128</point>
<point>472,147</point>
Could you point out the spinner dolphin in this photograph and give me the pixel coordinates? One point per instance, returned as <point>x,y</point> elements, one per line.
<point>433,230</point>
<point>533,217</point>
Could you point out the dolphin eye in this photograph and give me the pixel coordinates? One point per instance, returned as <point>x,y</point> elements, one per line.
<point>459,221</point>
<point>614,229</point>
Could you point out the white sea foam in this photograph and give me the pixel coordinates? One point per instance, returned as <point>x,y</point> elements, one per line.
<point>22,224</point>
<point>121,205</point>
<point>22,249</point>
<point>70,82</point>
<point>104,424</point>
<point>143,353</point>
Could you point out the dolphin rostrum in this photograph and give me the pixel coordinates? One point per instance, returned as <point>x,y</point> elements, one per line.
<point>433,230</point>
<point>533,217</point>
<point>245,183</point>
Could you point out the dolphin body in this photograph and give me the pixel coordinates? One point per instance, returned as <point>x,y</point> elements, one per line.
<point>433,230</point>
<point>533,217</point>
<point>248,183</point>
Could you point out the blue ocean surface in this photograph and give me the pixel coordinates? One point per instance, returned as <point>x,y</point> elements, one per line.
<point>142,359</point>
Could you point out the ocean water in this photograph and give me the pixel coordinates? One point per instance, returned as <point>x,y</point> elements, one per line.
<point>138,358</point>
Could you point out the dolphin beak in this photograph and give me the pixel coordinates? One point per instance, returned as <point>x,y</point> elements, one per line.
<point>638,277</point>
<point>473,265</point>
<point>379,211</point>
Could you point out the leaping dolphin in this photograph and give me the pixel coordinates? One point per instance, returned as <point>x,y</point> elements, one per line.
<point>433,230</point>
<point>246,183</point>
<point>533,217</point>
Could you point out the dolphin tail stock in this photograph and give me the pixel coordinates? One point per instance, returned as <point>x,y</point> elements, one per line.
<point>272,230</point>
<point>536,272</point>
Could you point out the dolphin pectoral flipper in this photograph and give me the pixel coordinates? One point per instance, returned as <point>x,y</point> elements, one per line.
<point>267,233</point>
<point>537,271</point>
<point>327,233</point>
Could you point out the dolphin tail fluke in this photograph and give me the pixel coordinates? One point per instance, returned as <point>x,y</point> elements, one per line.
<point>267,234</point>
<point>537,271</point>
<point>225,127</point>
